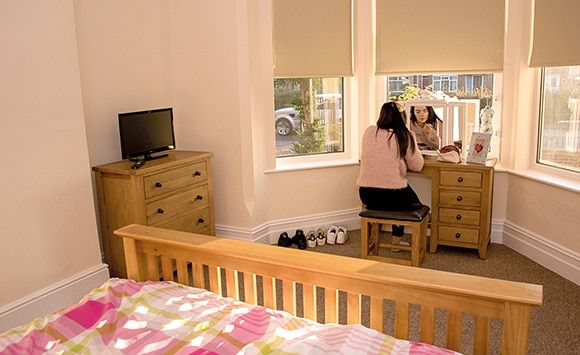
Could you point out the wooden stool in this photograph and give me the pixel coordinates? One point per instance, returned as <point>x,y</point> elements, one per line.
<point>371,221</point>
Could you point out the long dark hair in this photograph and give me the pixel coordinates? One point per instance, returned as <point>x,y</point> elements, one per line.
<point>392,118</point>
<point>431,119</point>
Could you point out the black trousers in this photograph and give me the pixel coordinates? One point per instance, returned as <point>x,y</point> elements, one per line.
<point>389,200</point>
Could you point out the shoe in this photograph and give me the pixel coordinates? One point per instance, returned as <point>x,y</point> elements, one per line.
<point>311,239</point>
<point>395,250</point>
<point>320,237</point>
<point>341,235</point>
<point>284,240</point>
<point>331,235</point>
<point>300,239</point>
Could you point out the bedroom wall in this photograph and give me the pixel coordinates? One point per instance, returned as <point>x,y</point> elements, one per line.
<point>47,230</point>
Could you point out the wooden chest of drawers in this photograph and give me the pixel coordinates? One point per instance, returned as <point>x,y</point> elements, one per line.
<point>461,205</point>
<point>173,192</point>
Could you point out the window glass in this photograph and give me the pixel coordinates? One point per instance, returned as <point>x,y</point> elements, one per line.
<point>308,116</point>
<point>559,128</point>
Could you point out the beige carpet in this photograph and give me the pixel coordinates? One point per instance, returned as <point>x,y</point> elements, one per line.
<point>555,326</point>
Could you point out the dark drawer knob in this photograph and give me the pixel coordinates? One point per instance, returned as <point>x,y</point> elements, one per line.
<point>460,179</point>
<point>160,211</point>
<point>199,197</point>
<point>197,173</point>
<point>457,235</point>
<point>158,184</point>
<point>200,220</point>
<point>459,198</point>
<point>458,217</point>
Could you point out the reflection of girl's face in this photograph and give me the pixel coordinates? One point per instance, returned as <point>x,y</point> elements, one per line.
<point>421,113</point>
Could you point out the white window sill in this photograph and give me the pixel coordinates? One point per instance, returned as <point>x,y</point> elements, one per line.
<point>546,178</point>
<point>295,166</point>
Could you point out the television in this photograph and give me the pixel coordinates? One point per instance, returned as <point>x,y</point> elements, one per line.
<point>146,132</point>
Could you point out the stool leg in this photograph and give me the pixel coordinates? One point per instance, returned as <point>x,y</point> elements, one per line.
<point>415,243</point>
<point>375,230</point>
<point>364,238</point>
<point>424,224</point>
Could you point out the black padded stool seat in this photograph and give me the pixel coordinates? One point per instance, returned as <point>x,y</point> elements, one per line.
<point>415,213</point>
<point>414,218</point>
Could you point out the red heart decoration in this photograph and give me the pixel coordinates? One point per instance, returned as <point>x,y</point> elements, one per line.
<point>478,147</point>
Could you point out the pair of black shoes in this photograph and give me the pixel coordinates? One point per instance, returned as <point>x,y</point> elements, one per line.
<point>299,239</point>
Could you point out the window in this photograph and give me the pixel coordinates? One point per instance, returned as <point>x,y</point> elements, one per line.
<point>308,116</point>
<point>559,126</point>
<point>445,83</point>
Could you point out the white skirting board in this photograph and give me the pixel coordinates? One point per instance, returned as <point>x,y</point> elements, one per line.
<point>553,256</point>
<point>269,232</point>
<point>52,298</point>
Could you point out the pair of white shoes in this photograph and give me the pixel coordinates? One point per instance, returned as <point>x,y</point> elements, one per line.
<point>336,235</point>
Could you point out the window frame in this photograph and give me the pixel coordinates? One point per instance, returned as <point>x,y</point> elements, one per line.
<point>535,163</point>
<point>348,156</point>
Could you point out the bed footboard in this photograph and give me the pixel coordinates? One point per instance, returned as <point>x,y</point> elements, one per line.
<point>233,268</point>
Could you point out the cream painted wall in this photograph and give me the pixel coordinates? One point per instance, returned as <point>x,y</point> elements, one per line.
<point>545,210</point>
<point>125,61</point>
<point>47,229</point>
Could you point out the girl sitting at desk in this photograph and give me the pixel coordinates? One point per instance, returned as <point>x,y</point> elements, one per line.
<point>425,125</point>
<point>388,151</point>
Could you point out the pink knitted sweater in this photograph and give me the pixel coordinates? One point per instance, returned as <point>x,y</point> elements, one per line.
<point>380,164</point>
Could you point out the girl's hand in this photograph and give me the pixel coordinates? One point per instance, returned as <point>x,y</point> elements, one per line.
<point>428,129</point>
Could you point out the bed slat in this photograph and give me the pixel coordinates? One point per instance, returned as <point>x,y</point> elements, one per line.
<point>454,330</point>
<point>427,323</point>
<point>232,284</point>
<point>269,292</point>
<point>330,305</point>
<point>215,280</point>
<point>289,299</point>
<point>402,320</point>
<point>197,274</point>
<point>182,274</point>
<point>152,267</point>
<point>250,288</point>
<point>377,314</point>
<point>481,335</point>
<point>309,295</point>
<point>353,308</point>
<point>166,268</point>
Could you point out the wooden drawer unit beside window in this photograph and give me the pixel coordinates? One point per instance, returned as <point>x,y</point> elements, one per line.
<point>461,206</point>
<point>174,192</point>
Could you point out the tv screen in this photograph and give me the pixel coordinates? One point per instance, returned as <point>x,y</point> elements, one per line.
<point>146,132</point>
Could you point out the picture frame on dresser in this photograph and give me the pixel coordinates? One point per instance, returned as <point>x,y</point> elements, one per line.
<point>478,147</point>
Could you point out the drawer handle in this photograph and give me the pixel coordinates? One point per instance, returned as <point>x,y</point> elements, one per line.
<point>160,211</point>
<point>200,220</point>
<point>458,217</point>
<point>457,235</point>
<point>199,197</point>
<point>158,184</point>
<point>197,173</point>
<point>460,179</point>
<point>459,198</point>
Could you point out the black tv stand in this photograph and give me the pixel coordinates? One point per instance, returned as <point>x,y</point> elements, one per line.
<point>151,157</point>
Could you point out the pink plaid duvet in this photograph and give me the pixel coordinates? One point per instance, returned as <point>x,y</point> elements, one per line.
<point>128,317</point>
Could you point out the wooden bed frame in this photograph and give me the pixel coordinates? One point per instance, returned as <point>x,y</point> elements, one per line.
<point>200,261</point>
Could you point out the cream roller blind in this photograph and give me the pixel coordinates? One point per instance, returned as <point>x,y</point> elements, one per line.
<point>430,36</point>
<point>556,31</point>
<point>312,38</point>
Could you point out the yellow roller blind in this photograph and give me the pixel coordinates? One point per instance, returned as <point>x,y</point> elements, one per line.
<point>429,36</point>
<point>556,31</point>
<point>312,38</point>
